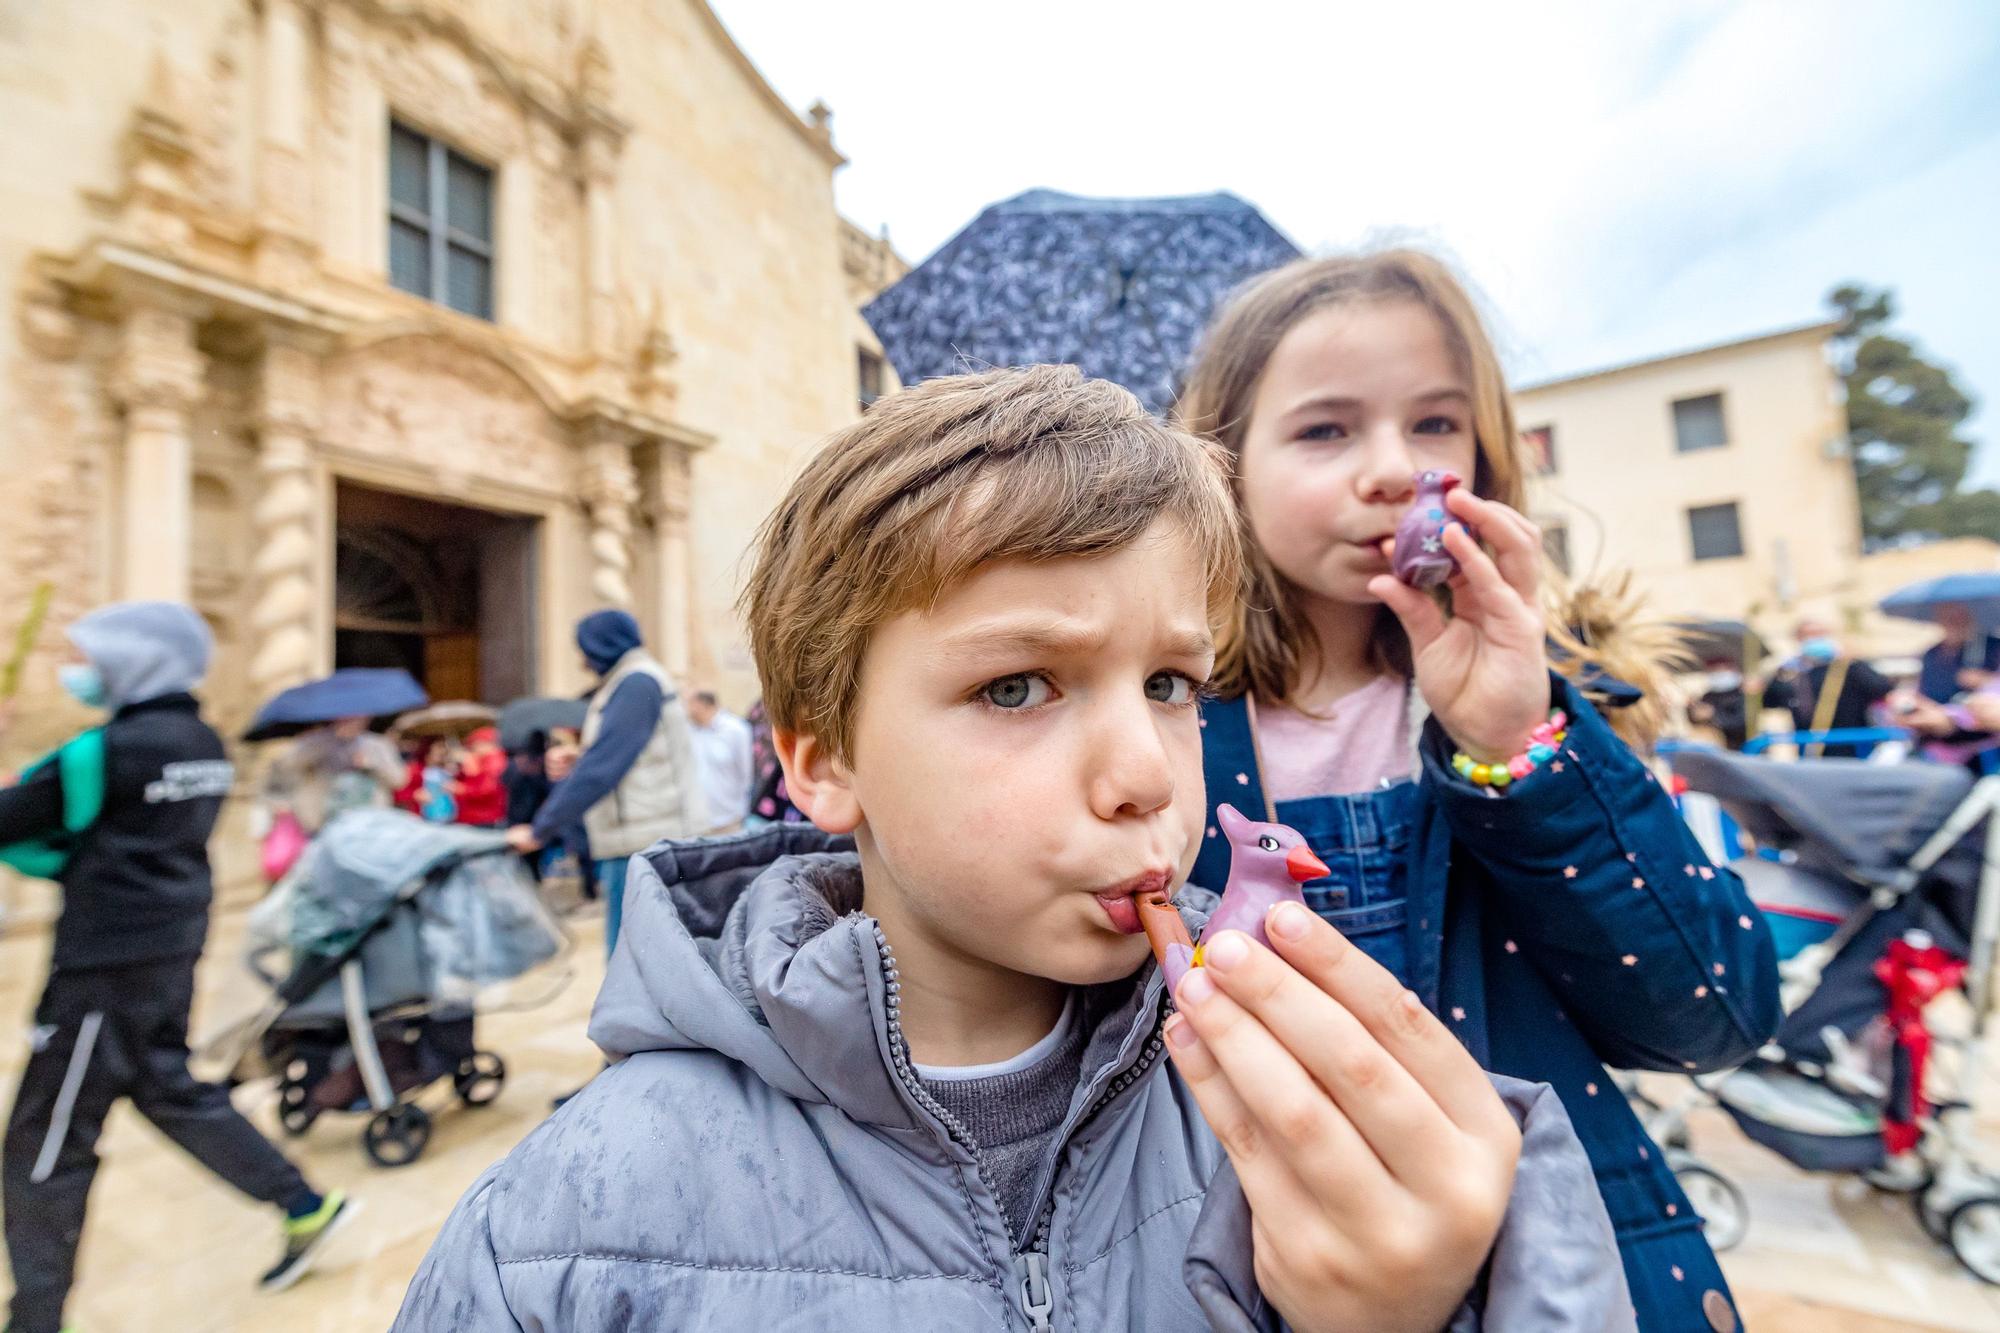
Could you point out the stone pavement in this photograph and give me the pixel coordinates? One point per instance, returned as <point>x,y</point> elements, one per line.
<point>169,1248</point>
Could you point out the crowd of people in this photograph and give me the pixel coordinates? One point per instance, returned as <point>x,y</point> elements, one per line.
<point>1950,704</point>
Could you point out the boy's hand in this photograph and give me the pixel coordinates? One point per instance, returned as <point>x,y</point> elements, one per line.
<point>1375,1155</point>
<point>1484,670</point>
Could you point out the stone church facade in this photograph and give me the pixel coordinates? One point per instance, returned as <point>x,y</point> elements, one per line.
<point>408,331</point>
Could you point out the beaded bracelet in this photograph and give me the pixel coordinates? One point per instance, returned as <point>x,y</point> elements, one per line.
<point>1542,743</point>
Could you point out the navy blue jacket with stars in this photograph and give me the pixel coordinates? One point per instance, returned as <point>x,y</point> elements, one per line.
<point>1570,923</point>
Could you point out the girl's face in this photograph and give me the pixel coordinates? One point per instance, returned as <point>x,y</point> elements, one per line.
<point>1354,402</point>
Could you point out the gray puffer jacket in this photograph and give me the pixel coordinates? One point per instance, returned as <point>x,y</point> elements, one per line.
<point>762,1156</point>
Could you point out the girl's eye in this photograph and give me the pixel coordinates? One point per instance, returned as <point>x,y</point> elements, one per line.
<point>1268,843</point>
<point>1014,693</point>
<point>1325,430</point>
<point>1170,687</point>
<point>1437,426</point>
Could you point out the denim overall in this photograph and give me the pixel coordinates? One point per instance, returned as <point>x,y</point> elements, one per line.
<point>1365,841</point>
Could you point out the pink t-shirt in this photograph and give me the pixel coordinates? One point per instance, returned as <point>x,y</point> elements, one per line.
<point>1362,742</point>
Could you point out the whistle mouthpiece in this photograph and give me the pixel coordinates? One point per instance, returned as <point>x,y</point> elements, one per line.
<point>1173,947</point>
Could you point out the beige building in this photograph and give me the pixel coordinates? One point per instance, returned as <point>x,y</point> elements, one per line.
<point>407,333</point>
<point>1718,476</point>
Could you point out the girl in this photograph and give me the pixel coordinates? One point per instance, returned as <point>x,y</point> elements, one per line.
<point>1558,915</point>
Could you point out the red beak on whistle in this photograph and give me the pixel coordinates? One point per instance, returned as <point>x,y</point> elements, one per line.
<point>1303,865</point>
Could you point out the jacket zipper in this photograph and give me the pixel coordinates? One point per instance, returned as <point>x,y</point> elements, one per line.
<point>1034,1292</point>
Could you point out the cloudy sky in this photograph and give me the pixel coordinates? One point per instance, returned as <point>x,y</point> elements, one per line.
<point>1618,179</point>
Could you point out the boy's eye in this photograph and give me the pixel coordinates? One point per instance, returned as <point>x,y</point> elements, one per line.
<point>1169,687</point>
<point>1017,692</point>
<point>1437,426</point>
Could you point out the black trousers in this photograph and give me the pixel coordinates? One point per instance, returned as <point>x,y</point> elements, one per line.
<point>100,1035</point>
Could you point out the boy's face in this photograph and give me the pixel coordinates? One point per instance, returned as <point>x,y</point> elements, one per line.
<point>1026,756</point>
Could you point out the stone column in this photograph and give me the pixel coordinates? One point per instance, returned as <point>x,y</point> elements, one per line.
<point>673,557</point>
<point>600,247</point>
<point>610,487</point>
<point>158,380</point>
<point>287,419</point>
<point>284,160</point>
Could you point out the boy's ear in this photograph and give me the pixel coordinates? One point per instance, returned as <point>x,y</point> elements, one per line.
<point>819,784</point>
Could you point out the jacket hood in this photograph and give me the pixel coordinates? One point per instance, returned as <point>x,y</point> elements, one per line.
<point>606,636</point>
<point>755,947</point>
<point>145,650</point>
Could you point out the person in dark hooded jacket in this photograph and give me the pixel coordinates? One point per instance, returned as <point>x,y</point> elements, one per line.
<point>121,818</point>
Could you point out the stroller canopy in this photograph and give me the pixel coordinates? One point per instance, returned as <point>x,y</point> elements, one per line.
<point>1120,288</point>
<point>1845,816</point>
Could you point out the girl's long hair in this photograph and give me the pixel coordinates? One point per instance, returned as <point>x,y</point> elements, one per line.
<point>1265,645</point>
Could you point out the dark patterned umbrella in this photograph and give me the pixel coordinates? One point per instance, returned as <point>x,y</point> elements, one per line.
<point>1119,287</point>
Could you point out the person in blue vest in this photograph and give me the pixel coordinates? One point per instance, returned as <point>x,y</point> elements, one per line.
<point>1491,840</point>
<point>120,817</point>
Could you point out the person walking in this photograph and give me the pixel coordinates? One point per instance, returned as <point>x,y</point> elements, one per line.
<point>636,780</point>
<point>1826,689</point>
<point>120,817</point>
<point>722,753</point>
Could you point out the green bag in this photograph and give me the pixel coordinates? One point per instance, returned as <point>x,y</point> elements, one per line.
<point>81,760</point>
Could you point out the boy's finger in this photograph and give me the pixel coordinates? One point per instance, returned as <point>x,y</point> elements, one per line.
<point>1391,1111</point>
<point>1291,1117</point>
<point>1423,620</point>
<point>1392,1014</point>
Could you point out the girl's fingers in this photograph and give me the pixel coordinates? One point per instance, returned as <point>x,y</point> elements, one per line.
<point>1279,1114</point>
<point>1334,1054</point>
<point>1392,1014</point>
<point>1516,542</point>
<point>1481,575</point>
<point>1423,619</point>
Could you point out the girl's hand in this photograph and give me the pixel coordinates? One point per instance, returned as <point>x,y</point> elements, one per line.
<point>1485,669</point>
<point>1375,1155</point>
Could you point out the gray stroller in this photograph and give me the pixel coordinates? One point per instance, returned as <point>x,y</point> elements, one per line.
<point>377,948</point>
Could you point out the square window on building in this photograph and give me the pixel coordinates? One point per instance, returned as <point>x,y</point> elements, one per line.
<point>1715,531</point>
<point>440,223</point>
<point>1698,423</point>
<point>871,376</point>
<point>1555,541</point>
<point>1541,444</point>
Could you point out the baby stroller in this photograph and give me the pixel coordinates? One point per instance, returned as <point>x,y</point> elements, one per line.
<point>376,947</point>
<point>1881,886</point>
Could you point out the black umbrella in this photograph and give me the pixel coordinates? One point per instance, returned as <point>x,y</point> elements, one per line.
<point>520,720</point>
<point>1120,288</point>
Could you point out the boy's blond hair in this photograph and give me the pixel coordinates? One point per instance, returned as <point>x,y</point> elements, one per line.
<point>938,480</point>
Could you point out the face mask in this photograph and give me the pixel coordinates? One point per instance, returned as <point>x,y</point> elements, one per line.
<point>83,683</point>
<point>1820,649</point>
<point>1724,680</point>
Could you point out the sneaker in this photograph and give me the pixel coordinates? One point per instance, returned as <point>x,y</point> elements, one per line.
<point>305,1240</point>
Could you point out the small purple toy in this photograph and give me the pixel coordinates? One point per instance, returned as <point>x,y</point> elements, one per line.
<point>1420,558</point>
<point>1267,863</point>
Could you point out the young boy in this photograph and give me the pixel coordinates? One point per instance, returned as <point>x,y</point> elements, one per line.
<point>903,1070</point>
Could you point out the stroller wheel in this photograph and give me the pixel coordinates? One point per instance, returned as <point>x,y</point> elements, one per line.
<point>1906,1173</point>
<point>1724,1213</point>
<point>295,1109</point>
<point>1973,1230</point>
<point>397,1136</point>
<point>479,1078</point>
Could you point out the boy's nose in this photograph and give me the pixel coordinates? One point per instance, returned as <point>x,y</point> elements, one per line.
<point>1134,775</point>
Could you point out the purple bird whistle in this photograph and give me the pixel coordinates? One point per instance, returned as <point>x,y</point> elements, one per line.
<point>1420,559</point>
<point>1267,864</point>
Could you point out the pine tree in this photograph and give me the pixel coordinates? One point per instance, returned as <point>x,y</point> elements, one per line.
<point>1903,417</point>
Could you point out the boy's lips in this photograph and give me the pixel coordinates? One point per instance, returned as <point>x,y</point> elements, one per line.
<point>1121,901</point>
